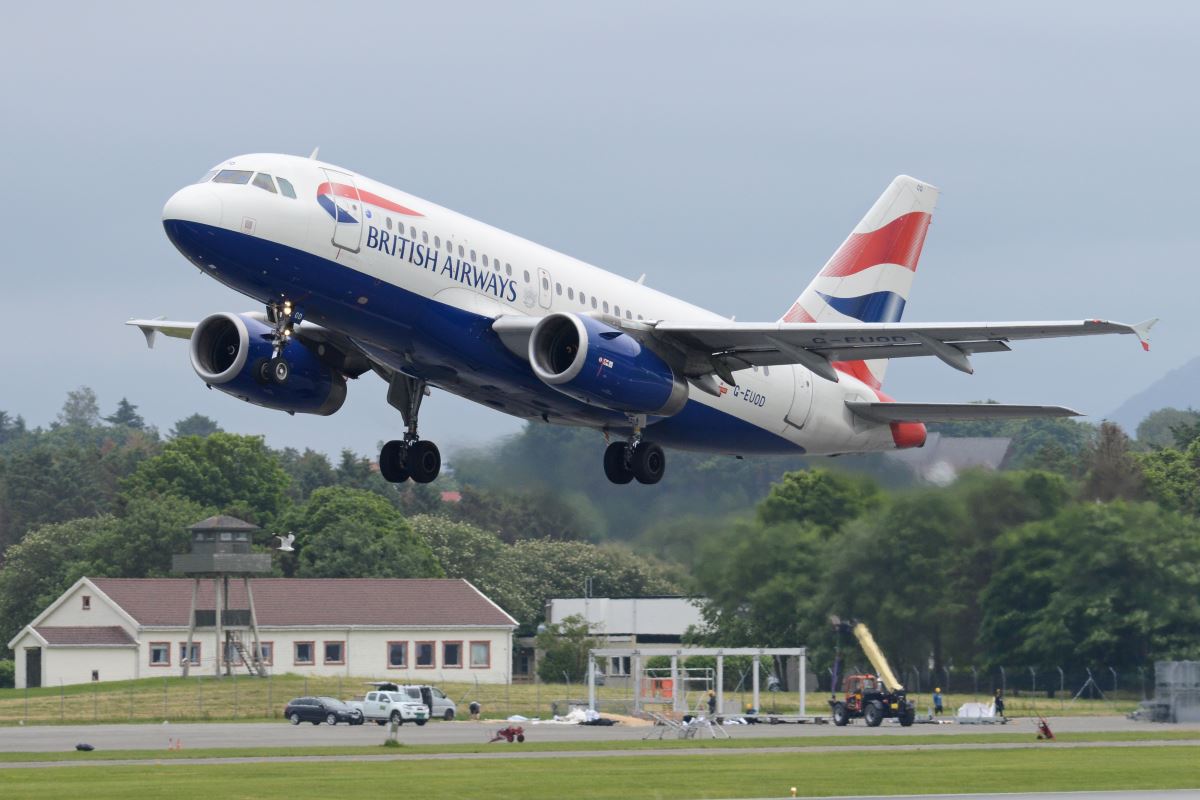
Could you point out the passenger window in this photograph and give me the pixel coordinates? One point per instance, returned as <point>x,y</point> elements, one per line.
<point>640,316</point>
<point>593,301</point>
<point>233,176</point>
<point>388,220</point>
<point>437,242</point>
<point>582,299</point>
<point>628,314</point>
<point>425,237</point>
<point>558,288</point>
<point>545,284</point>
<point>412,233</point>
<point>616,311</point>
<point>605,306</point>
<point>527,276</point>
<point>473,257</point>
<point>508,269</point>
<point>460,251</point>
<point>485,261</point>
<point>285,188</point>
<point>570,293</point>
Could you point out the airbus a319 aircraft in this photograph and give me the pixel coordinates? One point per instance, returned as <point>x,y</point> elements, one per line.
<point>356,277</point>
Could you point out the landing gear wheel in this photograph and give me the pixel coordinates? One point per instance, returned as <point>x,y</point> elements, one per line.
<point>648,462</point>
<point>280,370</point>
<point>840,717</point>
<point>262,371</point>
<point>615,468</point>
<point>391,462</point>
<point>873,714</point>
<point>423,462</point>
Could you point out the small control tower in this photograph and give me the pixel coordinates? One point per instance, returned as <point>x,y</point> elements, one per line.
<point>220,551</point>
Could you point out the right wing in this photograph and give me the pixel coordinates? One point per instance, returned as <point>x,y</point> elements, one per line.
<point>951,412</point>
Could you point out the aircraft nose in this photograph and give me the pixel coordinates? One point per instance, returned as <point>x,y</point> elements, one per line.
<point>196,203</point>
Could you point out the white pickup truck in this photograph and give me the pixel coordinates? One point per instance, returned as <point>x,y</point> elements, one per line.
<point>384,707</point>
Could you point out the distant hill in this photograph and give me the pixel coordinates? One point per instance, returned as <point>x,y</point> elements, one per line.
<point>1179,388</point>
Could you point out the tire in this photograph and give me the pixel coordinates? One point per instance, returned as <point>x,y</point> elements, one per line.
<point>449,715</point>
<point>423,461</point>
<point>421,722</point>
<point>873,714</point>
<point>316,722</point>
<point>840,716</point>
<point>520,737</point>
<point>331,719</point>
<point>281,370</point>
<point>907,717</point>
<point>396,718</point>
<point>648,463</point>
<point>381,722</point>
<point>295,718</point>
<point>391,462</point>
<point>615,468</point>
<point>262,371</point>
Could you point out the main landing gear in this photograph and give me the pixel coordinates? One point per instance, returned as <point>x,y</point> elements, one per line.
<point>283,317</point>
<point>410,457</point>
<point>637,458</point>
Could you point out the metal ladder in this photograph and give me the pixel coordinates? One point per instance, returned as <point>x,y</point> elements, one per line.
<point>251,661</point>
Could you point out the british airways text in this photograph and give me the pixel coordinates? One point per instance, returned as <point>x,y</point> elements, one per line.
<point>426,257</point>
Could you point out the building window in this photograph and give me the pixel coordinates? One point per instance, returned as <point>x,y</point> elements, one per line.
<point>481,655</point>
<point>335,652</point>
<point>194,658</point>
<point>266,653</point>
<point>397,655</point>
<point>95,675</point>
<point>87,602</point>
<point>303,653</point>
<point>452,655</point>
<point>425,655</point>
<point>160,654</point>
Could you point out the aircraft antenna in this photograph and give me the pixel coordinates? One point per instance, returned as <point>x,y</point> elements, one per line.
<point>313,157</point>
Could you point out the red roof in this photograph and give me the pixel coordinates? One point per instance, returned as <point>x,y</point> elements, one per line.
<point>72,634</point>
<point>315,601</point>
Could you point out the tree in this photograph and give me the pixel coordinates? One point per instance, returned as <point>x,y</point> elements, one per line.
<point>565,647</point>
<point>309,471</point>
<point>233,474</point>
<point>195,425</point>
<point>48,483</point>
<point>1112,471</point>
<point>81,409</point>
<point>1172,478</point>
<point>820,497</point>
<point>1157,429</point>
<point>11,428</point>
<point>1116,584</point>
<point>140,542</point>
<point>343,533</point>
<point>126,416</point>
<point>539,514</point>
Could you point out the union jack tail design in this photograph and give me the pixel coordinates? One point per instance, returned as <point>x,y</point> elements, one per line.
<point>869,278</point>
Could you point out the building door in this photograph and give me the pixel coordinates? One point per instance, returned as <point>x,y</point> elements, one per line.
<point>339,197</point>
<point>33,667</point>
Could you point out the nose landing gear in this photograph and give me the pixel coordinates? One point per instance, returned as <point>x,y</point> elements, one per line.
<point>411,457</point>
<point>284,317</point>
<point>637,458</point>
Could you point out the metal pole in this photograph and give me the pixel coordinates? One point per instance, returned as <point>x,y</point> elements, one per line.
<point>754,685</point>
<point>720,687</point>
<point>217,612</point>
<point>638,678</point>
<point>187,653</point>
<point>164,697</point>
<point>674,683</point>
<point>1062,687</point>
<point>256,659</point>
<point>591,680</point>
<point>803,681</point>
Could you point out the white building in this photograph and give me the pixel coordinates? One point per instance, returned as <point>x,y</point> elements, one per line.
<point>629,620</point>
<point>407,630</point>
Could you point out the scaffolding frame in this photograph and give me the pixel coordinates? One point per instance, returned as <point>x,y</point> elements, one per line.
<point>636,654</point>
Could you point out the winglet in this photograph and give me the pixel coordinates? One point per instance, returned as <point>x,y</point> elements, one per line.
<point>1142,329</point>
<point>149,331</point>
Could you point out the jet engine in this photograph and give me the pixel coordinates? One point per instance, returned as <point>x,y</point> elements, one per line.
<point>232,352</point>
<point>602,366</point>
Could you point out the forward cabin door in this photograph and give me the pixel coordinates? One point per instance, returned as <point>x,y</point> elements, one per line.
<point>33,667</point>
<point>339,197</point>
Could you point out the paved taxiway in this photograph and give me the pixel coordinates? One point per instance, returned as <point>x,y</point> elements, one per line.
<point>51,738</point>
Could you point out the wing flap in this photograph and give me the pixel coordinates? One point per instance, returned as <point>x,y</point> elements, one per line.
<point>951,412</point>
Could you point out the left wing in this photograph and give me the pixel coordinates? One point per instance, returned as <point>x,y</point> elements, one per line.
<point>726,347</point>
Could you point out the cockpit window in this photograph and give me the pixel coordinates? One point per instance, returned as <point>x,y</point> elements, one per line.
<point>263,181</point>
<point>285,188</point>
<point>233,176</point>
<point>207,176</point>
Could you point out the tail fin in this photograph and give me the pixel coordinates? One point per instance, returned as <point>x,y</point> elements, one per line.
<point>869,278</point>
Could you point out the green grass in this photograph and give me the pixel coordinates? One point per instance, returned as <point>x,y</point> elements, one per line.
<point>663,777</point>
<point>256,699</point>
<point>883,742</point>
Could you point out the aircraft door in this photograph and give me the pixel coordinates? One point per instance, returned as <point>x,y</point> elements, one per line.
<point>339,196</point>
<point>797,415</point>
<point>545,288</point>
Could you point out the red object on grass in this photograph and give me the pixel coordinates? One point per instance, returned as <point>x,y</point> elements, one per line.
<point>510,733</point>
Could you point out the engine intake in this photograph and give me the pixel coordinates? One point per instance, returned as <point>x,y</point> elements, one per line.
<point>600,365</point>
<point>228,351</point>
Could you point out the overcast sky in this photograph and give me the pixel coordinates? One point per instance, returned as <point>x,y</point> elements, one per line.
<point>723,149</point>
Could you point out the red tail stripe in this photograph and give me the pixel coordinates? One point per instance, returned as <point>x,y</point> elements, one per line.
<point>860,370</point>
<point>797,314</point>
<point>343,190</point>
<point>898,242</point>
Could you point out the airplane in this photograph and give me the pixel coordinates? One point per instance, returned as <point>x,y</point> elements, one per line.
<point>355,276</point>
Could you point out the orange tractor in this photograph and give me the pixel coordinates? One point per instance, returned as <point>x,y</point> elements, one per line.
<point>873,698</point>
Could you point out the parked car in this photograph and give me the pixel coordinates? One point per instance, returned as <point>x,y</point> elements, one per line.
<point>321,709</point>
<point>434,699</point>
<point>391,706</point>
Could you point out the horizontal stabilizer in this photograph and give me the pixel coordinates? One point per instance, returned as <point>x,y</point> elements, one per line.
<point>951,412</point>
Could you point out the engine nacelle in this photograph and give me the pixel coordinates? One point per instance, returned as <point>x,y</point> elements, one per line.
<point>602,366</point>
<point>228,351</point>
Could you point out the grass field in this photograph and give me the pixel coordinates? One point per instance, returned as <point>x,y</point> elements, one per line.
<point>601,746</point>
<point>664,777</point>
<point>209,698</point>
